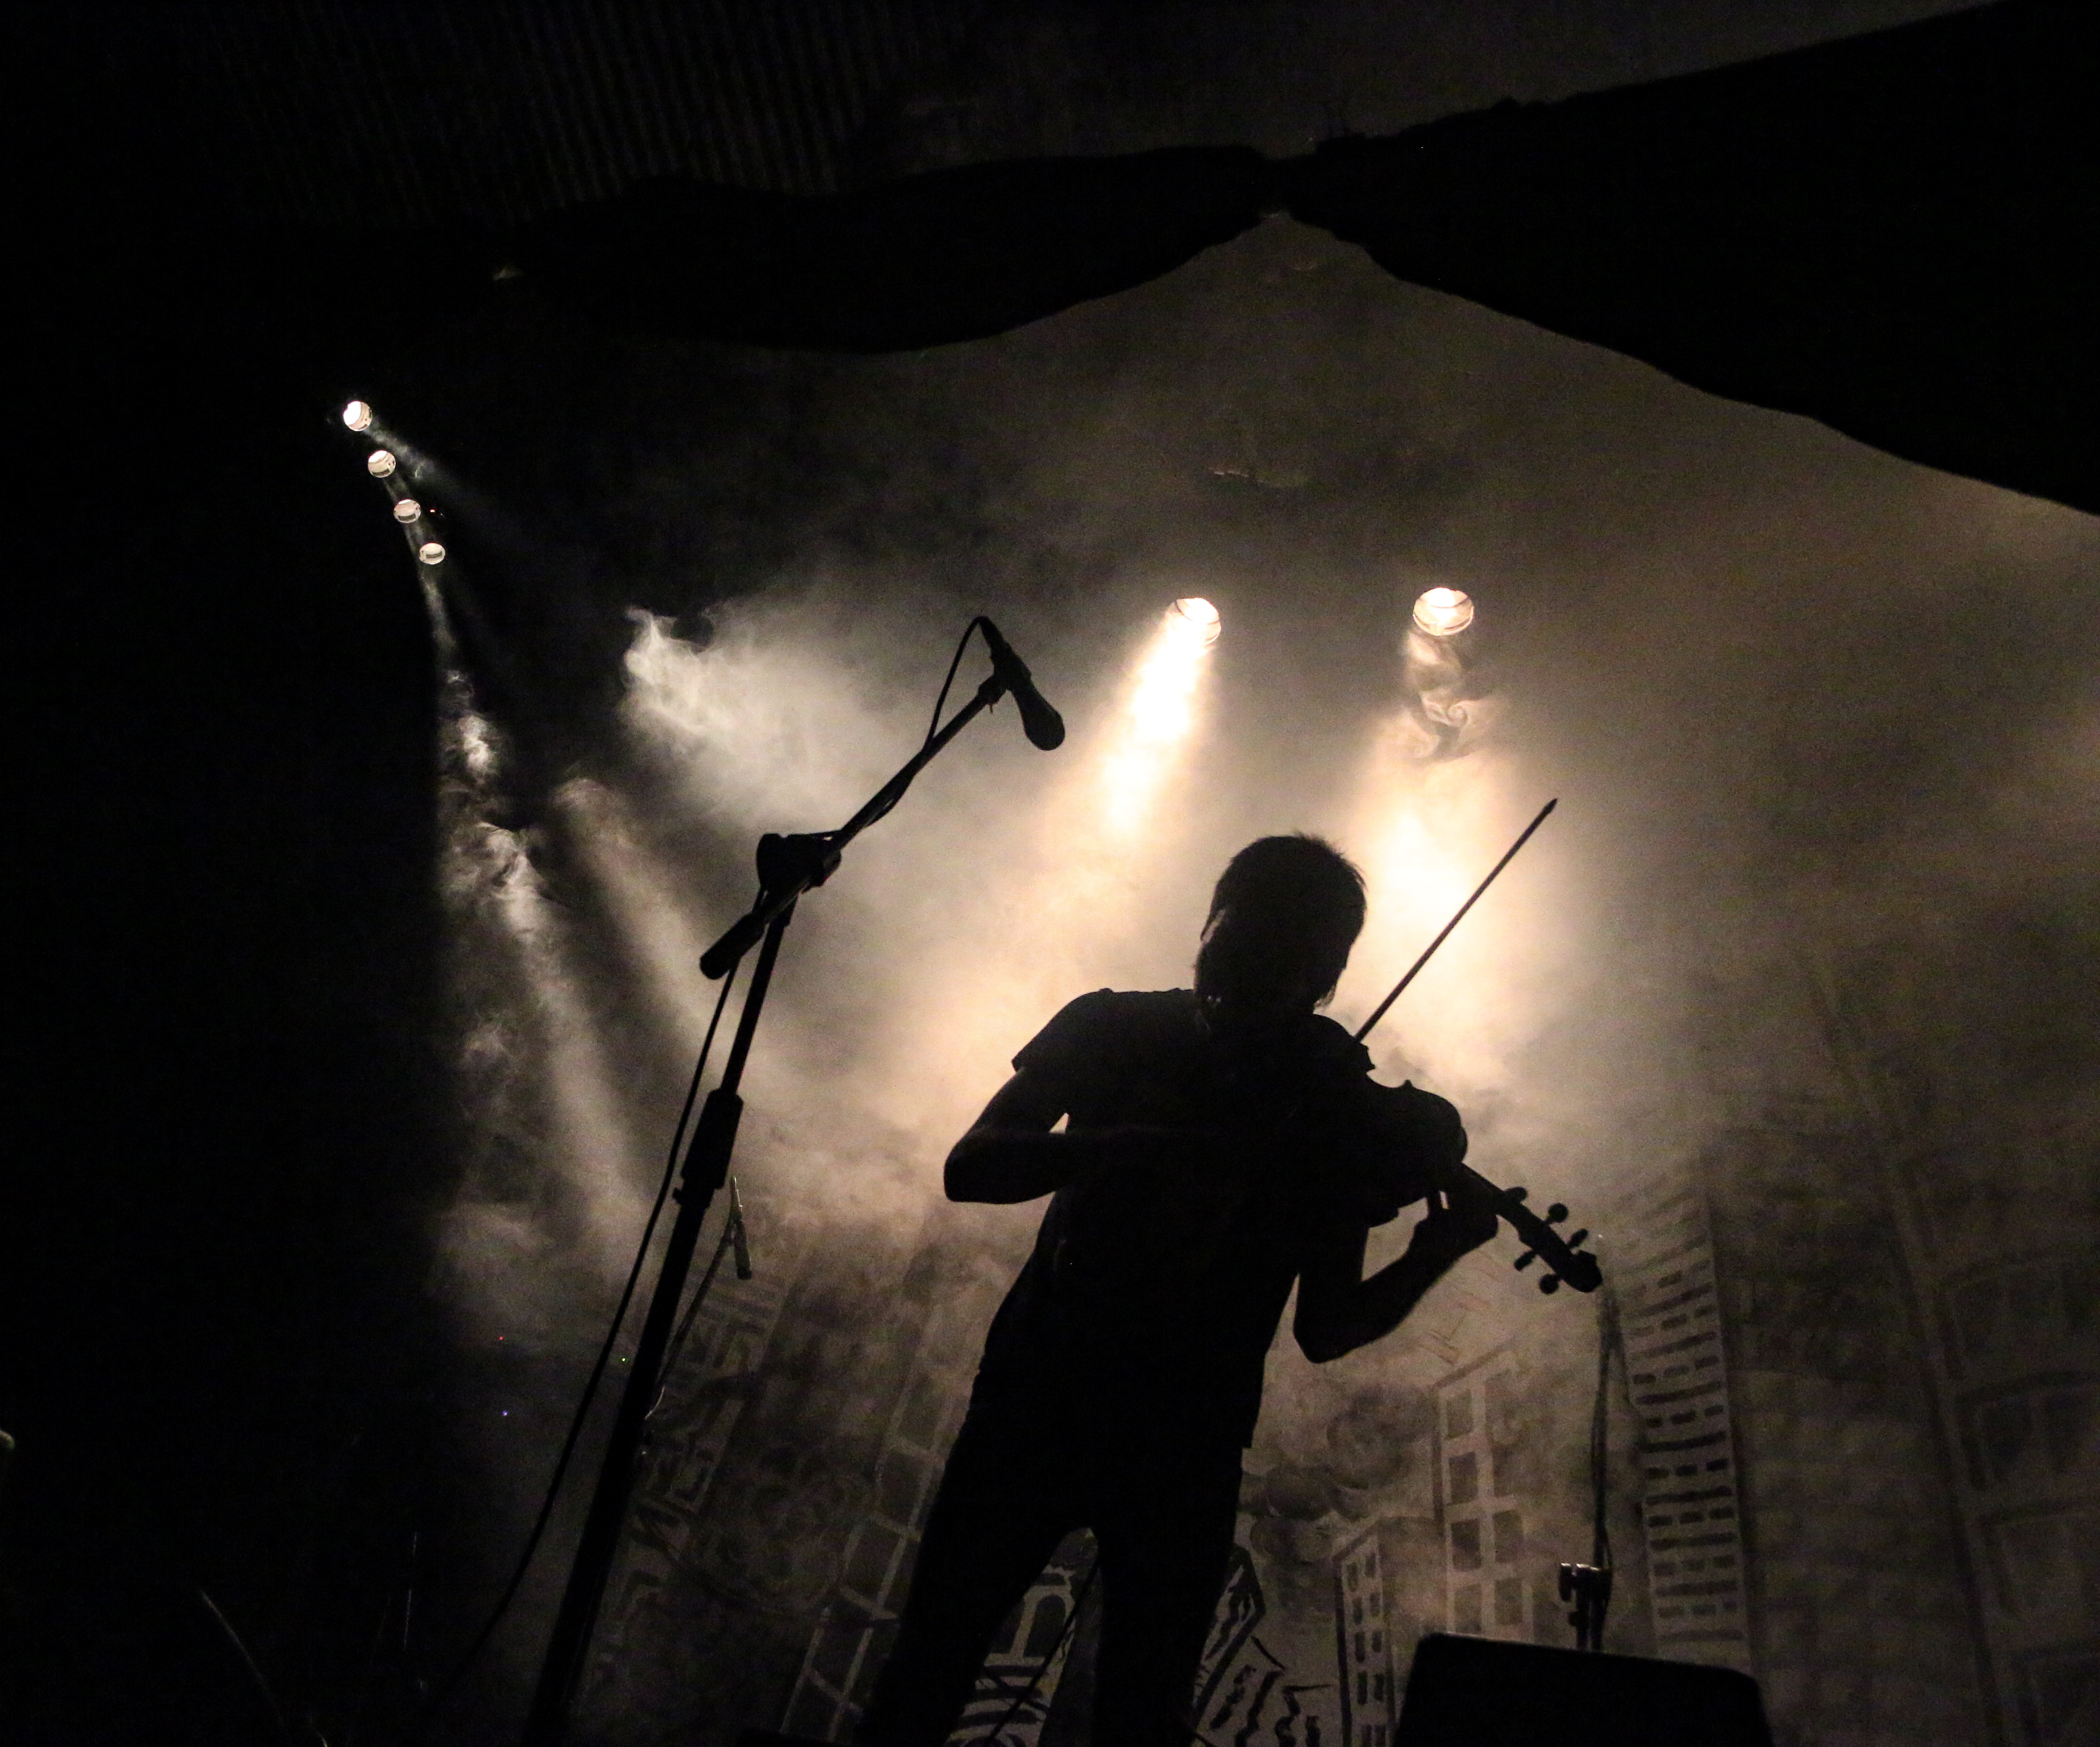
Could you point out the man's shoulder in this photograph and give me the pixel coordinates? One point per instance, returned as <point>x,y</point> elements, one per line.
<point>1141,1006</point>
<point>1131,1014</point>
<point>1114,1024</point>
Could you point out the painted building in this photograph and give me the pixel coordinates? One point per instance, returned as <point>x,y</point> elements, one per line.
<point>1677,1375</point>
<point>1982,1148</point>
<point>958,1291</point>
<point>1389,1590</point>
<point>1364,1649</point>
<point>1494,1575</point>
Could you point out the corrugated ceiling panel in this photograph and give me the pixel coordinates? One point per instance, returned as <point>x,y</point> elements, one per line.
<point>389,114</point>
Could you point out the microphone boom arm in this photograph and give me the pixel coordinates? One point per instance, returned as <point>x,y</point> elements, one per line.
<point>790,865</point>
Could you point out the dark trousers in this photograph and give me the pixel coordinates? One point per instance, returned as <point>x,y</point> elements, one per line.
<point>1017,1481</point>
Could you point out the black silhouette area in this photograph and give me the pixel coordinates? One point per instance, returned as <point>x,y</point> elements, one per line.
<point>1891,233</point>
<point>223,1365</point>
<point>1477,1692</point>
<point>1221,1144</point>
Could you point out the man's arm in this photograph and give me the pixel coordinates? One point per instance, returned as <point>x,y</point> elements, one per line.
<point>1339,1311</point>
<point>1012,1154</point>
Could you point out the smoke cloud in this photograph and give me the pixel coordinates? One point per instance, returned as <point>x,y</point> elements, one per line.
<point>1797,700</point>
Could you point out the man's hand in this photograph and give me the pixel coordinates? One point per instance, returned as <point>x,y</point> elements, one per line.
<point>1339,1311</point>
<point>1141,1146</point>
<point>1012,1154</point>
<point>1457,1223</point>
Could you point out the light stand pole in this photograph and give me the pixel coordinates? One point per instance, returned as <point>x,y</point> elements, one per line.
<point>787,867</point>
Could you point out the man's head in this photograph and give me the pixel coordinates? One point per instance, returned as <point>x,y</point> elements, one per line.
<point>1285,914</point>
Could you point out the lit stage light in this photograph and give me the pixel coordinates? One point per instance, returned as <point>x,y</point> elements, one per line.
<point>407,511</point>
<point>1164,701</point>
<point>357,416</point>
<point>380,463</point>
<point>431,553</point>
<point>1199,615</point>
<point>1161,711</point>
<point>1443,612</point>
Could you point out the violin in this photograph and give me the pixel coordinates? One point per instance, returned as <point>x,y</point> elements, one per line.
<point>1565,1259</point>
<point>1417,1122</point>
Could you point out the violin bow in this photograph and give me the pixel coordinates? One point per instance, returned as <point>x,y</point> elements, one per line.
<point>1563,1257</point>
<point>1379,1013</point>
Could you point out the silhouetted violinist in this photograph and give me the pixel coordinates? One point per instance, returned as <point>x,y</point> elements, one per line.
<point>1220,1145</point>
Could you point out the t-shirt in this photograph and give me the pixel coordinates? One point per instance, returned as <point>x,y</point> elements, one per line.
<point>1147,1309</point>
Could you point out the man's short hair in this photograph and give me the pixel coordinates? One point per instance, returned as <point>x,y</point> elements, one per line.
<point>1301,883</point>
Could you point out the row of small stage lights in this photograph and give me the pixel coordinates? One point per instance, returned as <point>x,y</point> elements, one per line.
<point>1438,612</point>
<point>385,466</point>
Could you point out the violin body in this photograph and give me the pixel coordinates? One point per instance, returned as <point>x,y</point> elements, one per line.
<point>1424,1145</point>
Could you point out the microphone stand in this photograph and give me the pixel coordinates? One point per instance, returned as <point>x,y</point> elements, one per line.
<point>787,867</point>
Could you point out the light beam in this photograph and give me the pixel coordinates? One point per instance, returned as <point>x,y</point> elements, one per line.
<point>1160,711</point>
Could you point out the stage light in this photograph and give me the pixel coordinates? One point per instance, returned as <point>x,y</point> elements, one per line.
<point>406,510</point>
<point>1163,703</point>
<point>1443,612</point>
<point>1193,615</point>
<point>380,463</point>
<point>357,416</point>
<point>1160,712</point>
<point>431,553</point>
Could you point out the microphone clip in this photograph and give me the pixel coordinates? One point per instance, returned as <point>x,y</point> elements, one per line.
<point>795,861</point>
<point>1044,727</point>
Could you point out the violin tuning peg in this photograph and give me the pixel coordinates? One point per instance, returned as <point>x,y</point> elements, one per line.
<point>1556,1214</point>
<point>1550,1283</point>
<point>1517,1193</point>
<point>1525,1260</point>
<point>1579,1239</point>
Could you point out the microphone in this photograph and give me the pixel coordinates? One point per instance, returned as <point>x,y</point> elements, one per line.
<point>1044,727</point>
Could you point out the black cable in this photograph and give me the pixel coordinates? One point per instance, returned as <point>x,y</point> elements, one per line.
<point>1035,1679</point>
<point>1065,1631</point>
<point>445,1687</point>
<point>933,727</point>
<point>254,1669</point>
<point>1600,1450</point>
<point>692,1311</point>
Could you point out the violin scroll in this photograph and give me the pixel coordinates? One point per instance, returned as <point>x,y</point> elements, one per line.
<point>1564,1258</point>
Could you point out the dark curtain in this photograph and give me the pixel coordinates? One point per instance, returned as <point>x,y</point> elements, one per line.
<point>1894,235</point>
<point>1891,234</point>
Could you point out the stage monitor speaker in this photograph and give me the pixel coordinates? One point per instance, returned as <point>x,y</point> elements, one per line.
<point>1479,1693</point>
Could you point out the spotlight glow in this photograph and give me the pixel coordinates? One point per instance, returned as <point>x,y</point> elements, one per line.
<point>1443,612</point>
<point>1164,702</point>
<point>1196,612</point>
<point>407,511</point>
<point>380,463</point>
<point>431,553</point>
<point>1161,711</point>
<point>357,416</point>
